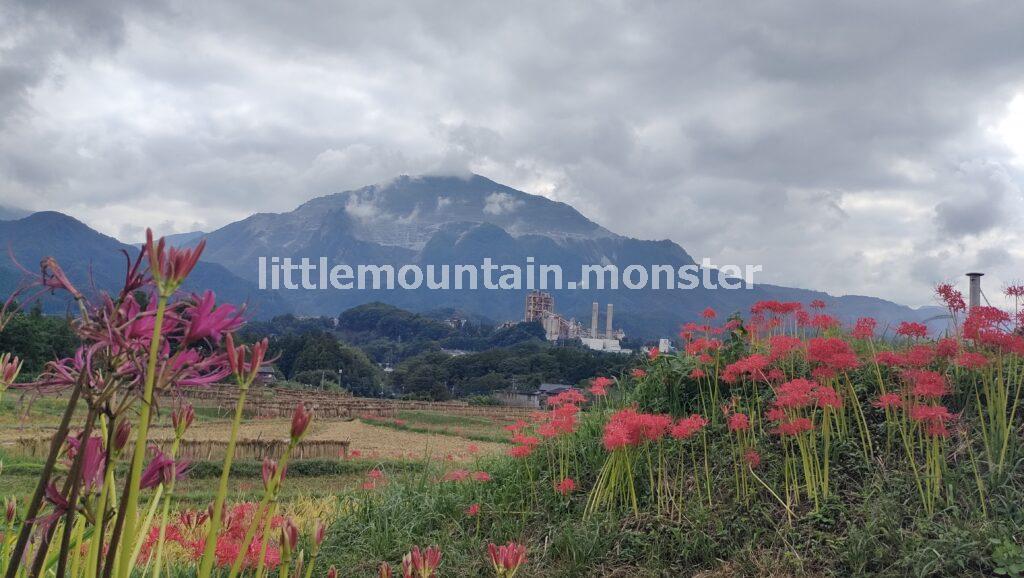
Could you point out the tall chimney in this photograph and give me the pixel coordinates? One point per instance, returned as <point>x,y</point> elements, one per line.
<point>608,322</point>
<point>975,292</point>
<point>593,320</point>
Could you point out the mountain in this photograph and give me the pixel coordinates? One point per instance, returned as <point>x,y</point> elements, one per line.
<point>95,261</point>
<point>435,220</point>
<point>11,213</point>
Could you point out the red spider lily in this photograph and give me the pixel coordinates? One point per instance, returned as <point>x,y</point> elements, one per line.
<point>170,266</point>
<point>947,347</point>
<point>686,427</point>
<point>752,458</point>
<point>709,313</point>
<point>473,449</point>
<point>953,299</point>
<point>832,353</point>
<point>638,373</point>
<point>912,329</point>
<point>161,470</point>
<point>208,321</point>
<point>424,564</point>
<point>794,426</point>
<point>780,346</point>
<point>599,386</point>
<point>473,510</point>
<point>456,476</point>
<point>926,384</point>
<point>653,353</point>
<point>933,418</point>
<point>517,426</point>
<point>300,422</point>
<point>972,360</point>
<point>375,474</point>
<point>481,477</point>
<point>865,328</point>
<point>507,559</point>
<point>566,486</point>
<point>738,422</point>
<point>520,451</point>
<point>698,373</point>
<point>888,400</point>
<point>569,396</point>
<point>752,366</point>
<point>182,418</point>
<point>824,322</point>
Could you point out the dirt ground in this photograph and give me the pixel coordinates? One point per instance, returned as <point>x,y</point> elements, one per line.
<point>366,440</point>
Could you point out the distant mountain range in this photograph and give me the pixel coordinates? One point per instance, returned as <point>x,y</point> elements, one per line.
<point>94,261</point>
<point>429,220</point>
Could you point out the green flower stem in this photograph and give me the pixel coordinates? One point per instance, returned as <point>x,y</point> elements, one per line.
<point>132,500</point>
<point>206,566</point>
<point>165,513</point>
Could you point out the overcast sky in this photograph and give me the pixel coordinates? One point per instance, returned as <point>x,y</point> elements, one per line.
<point>856,147</point>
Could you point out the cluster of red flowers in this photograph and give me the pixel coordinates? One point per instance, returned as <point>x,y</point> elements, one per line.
<point>628,428</point>
<point>687,427</point>
<point>912,329</point>
<point>833,356</point>
<point>752,366</point>
<point>189,531</point>
<point>599,386</point>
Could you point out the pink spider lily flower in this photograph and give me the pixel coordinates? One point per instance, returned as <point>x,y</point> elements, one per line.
<point>161,470</point>
<point>206,320</point>
<point>507,559</point>
<point>473,510</point>
<point>423,564</point>
<point>53,277</point>
<point>170,266</point>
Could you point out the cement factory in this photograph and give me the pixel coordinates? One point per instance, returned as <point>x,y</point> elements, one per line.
<point>540,306</point>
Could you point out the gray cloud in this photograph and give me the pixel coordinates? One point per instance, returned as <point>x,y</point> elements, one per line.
<point>839,145</point>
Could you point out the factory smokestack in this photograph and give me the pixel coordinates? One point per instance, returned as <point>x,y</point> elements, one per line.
<point>593,320</point>
<point>974,299</point>
<point>608,322</point>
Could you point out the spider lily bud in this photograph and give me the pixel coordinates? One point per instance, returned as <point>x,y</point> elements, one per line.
<point>124,431</point>
<point>318,537</point>
<point>11,509</point>
<point>421,564</point>
<point>10,367</point>
<point>300,422</point>
<point>245,371</point>
<point>507,559</point>
<point>383,571</point>
<point>269,471</point>
<point>182,418</point>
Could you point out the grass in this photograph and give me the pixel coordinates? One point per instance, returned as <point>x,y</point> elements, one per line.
<point>471,428</point>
